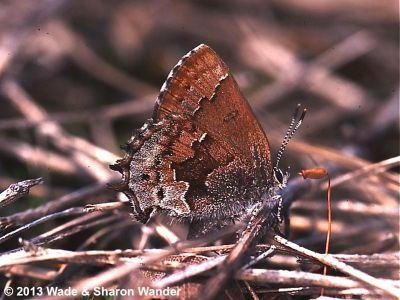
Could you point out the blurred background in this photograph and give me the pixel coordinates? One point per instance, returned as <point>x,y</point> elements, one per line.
<point>78,77</point>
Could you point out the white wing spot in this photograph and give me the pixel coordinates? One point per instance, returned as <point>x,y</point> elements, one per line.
<point>164,86</point>
<point>203,136</point>
<point>144,127</point>
<point>223,77</point>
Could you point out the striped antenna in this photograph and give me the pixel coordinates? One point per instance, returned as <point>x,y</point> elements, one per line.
<point>290,132</point>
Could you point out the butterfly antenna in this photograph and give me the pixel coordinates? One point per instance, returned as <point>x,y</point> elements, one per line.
<point>291,131</point>
<point>287,135</point>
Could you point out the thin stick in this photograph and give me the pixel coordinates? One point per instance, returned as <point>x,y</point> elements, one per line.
<point>370,169</point>
<point>251,291</point>
<point>319,173</point>
<point>342,267</point>
<point>110,275</point>
<point>17,190</point>
<point>329,231</point>
<point>68,212</point>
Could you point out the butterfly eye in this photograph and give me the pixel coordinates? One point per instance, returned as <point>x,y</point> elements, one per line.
<point>278,175</point>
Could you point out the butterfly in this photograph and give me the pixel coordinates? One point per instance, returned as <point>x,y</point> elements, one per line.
<point>203,155</point>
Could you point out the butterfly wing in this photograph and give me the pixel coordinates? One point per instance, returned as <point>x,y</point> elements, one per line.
<point>203,154</point>
<point>201,88</point>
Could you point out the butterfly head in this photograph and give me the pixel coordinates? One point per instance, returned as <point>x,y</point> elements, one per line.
<point>280,177</point>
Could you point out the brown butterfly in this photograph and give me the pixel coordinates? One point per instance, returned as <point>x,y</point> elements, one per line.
<point>203,155</point>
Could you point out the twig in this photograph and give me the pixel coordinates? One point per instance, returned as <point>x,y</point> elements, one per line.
<point>251,291</point>
<point>72,227</point>
<point>165,233</point>
<point>108,276</point>
<point>340,266</point>
<point>67,212</point>
<point>17,190</point>
<point>261,257</point>
<point>190,271</point>
<point>103,206</point>
<point>296,278</point>
<point>350,206</point>
<point>371,169</point>
<point>52,206</point>
<point>32,272</point>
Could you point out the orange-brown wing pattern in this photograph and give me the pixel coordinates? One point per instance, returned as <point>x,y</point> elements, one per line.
<point>200,87</point>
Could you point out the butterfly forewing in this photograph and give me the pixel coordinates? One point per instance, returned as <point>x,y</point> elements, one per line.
<point>201,88</point>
